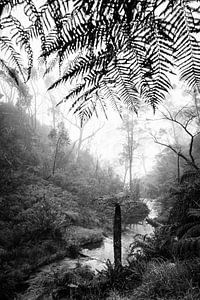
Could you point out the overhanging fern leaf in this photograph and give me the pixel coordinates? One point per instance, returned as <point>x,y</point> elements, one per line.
<point>10,72</point>
<point>14,57</point>
<point>22,38</point>
<point>126,89</point>
<point>186,47</point>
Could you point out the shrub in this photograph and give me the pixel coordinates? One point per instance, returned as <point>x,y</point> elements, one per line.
<point>167,280</point>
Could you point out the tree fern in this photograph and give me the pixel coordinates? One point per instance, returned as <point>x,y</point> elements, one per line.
<point>137,43</point>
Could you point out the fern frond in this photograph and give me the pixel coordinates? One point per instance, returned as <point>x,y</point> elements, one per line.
<point>127,91</point>
<point>36,29</point>
<point>108,94</point>
<point>14,57</point>
<point>186,47</point>
<point>86,110</point>
<point>11,77</point>
<point>87,67</point>
<point>51,65</point>
<point>9,71</point>
<point>134,43</point>
<point>85,95</point>
<point>22,38</point>
<point>53,9</point>
<point>73,93</point>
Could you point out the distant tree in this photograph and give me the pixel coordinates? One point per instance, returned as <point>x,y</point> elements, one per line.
<point>16,143</point>
<point>82,138</point>
<point>186,118</point>
<point>130,133</point>
<point>59,138</point>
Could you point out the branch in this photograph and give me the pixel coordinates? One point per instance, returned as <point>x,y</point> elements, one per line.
<point>177,152</point>
<point>173,119</point>
<point>189,120</point>
<point>72,123</point>
<point>92,134</point>
<point>185,106</point>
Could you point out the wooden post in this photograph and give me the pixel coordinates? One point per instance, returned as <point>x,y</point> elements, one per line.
<point>117,236</point>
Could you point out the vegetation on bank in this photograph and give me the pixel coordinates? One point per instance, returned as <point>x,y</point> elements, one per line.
<point>161,266</point>
<point>43,216</point>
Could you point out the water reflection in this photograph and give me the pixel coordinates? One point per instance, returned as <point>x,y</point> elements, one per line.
<point>101,254</point>
<point>98,254</point>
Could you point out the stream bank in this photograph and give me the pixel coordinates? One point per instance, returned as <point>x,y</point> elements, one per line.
<point>93,256</point>
<point>89,248</point>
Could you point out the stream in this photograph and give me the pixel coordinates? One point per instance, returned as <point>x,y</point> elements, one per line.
<point>98,254</point>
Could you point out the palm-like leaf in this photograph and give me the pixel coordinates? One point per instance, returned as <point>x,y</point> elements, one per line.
<point>183,20</point>
<point>20,34</point>
<point>22,38</point>
<point>137,43</point>
<point>8,72</point>
<point>6,45</point>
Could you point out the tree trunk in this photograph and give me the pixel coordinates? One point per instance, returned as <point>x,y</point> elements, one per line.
<point>131,177</point>
<point>79,143</point>
<point>117,236</point>
<point>55,156</point>
<point>178,168</point>
<point>125,174</point>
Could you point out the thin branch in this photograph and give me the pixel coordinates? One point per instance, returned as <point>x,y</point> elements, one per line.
<point>192,162</point>
<point>93,133</point>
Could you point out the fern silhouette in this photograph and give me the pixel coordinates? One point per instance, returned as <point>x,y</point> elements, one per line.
<point>136,44</point>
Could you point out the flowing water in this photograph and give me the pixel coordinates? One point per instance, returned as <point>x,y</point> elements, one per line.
<point>98,254</point>
<point>104,252</point>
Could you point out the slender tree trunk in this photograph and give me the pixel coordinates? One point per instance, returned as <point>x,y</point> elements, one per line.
<point>79,143</point>
<point>125,174</point>
<point>196,103</point>
<point>131,176</point>
<point>178,168</point>
<point>117,236</point>
<point>55,156</point>
<point>53,117</point>
<point>35,104</point>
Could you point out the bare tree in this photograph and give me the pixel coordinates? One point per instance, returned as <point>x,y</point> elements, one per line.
<point>81,139</point>
<point>60,138</point>
<point>130,145</point>
<point>185,118</point>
